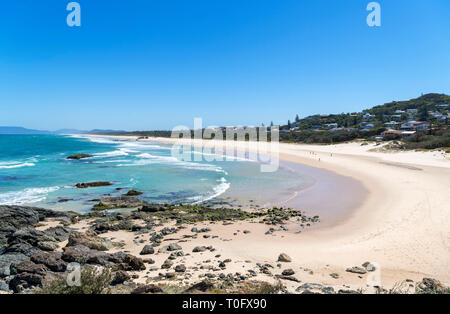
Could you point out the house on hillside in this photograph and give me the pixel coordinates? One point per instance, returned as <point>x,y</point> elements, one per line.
<point>391,124</point>
<point>411,112</point>
<point>415,126</point>
<point>331,125</point>
<point>368,116</point>
<point>366,126</point>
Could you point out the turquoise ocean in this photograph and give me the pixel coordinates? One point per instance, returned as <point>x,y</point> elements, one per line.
<point>35,171</point>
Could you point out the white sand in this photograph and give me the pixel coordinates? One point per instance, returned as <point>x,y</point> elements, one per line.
<point>403,225</point>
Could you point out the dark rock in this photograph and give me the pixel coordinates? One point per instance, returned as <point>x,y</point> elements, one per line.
<point>47,246</point>
<point>356,270</point>
<point>343,291</point>
<point>59,233</point>
<point>120,277</point>
<point>429,286</point>
<point>13,218</point>
<point>132,263</point>
<point>6,260</point>
<point>288,272</point>
<point>334,275</point>
<point>119,202</point>
<point>167,264</point>
<point>147,250</point>
<point>203,286</point>
<point>90,240</point>
<point>84,255</point>
<point>64,200</point>
<point>86,185</point>
<point>23,248</point>
<point>198,249</point>
<point>133,193</point>
<point>173,247</point>
<point>314,288</point>
<point>287,277</point>
<point>79,156</point>
<point>24,281</point>
<point>28,266</point>
<point>180,268</point>
<point>369,266</point>
<point>147,289</point>
<point>152,208</point>
<point>284,258</point>
<point>4,286</point>
<point>53,260</point>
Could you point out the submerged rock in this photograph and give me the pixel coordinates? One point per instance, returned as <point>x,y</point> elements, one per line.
<point>79,156</point>
<point>119,202</point>
<point>86,185</point>
<point>133,193</point>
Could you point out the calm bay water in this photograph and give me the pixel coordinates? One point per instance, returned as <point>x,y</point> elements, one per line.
<point>34,170</point>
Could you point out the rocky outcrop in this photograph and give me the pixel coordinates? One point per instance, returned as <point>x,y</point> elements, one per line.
<point>148,249</point>
<point>203,286</point>
<point>52,260</point>
<point>79,156</point>
<point>119,202</point>
<point>86,185</point>
<point>91,240</point>
<point>133,193</point>
<point>356,270</point>
<point>152,208</point>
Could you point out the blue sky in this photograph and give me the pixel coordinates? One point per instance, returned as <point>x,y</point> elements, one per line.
<point>146,64</point>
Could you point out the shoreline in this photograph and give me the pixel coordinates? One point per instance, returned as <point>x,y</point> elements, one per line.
<point>403,224</point>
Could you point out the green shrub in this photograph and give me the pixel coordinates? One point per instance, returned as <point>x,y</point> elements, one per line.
<point>93,281</point>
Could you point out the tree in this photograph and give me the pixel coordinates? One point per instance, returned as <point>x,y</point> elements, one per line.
<point>297,118</point>
<point>289,124</point>
<point>423,113</point>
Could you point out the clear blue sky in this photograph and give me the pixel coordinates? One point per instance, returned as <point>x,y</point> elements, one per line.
<point>156,64</point>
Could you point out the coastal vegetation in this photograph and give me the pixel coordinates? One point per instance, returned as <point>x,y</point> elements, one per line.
<point>420,123</point>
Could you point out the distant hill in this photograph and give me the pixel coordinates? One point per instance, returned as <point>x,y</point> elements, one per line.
<point>70,131</point>
<point>425,102</point>
<point>20,130</point>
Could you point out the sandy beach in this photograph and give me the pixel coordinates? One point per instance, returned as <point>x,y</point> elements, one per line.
<point>402,225</point>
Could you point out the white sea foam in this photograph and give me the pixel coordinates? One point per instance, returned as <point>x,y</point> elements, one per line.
<point>218,190</point>
<point>14,164</point>
<point>147,159</point>
<point>27,196</point>
<point>116,153</point>
<point>223,156</point>
<point>142,145</point>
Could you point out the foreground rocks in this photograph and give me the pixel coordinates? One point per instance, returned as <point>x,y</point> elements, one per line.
<point>32,259</point>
